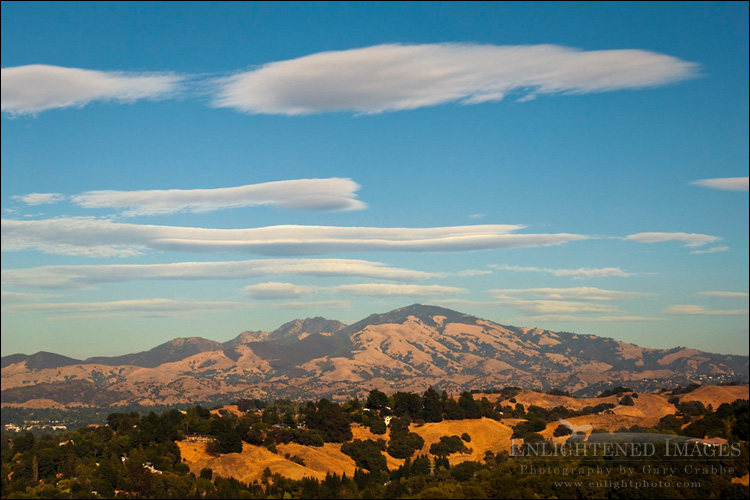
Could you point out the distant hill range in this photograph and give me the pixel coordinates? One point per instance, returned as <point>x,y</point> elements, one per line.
<point>406,349</point>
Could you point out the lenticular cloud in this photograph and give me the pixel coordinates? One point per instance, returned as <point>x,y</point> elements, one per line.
<point>39,87</point>
<point>333,194</point>
<point>80,236</point>
<point>398,77</point>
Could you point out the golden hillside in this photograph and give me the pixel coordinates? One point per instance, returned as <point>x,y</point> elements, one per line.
<point>486,434</point>
<point>248,466</point>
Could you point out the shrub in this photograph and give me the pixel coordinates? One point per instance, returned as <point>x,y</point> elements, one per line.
<point>403,443</point>
<point>612,392</point>
<point>562,431</point>
<point>627,401</point>
<point>377,425</point>
<point>558,392</point>
<point>366,454</point>
<point>447,445</point>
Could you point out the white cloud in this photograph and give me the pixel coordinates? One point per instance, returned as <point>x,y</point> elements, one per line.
<point>691,310</point>
<point>333,194</point>
<point>41,198</point>
<point>689,239</point>
<point>13,297</point>
<point>725,295</point>
<point>275,291</point>
<point>594,319</point>
<point>712,250</point>
<point>466,303</point>
<point>82,236</point>
<point>465,273</point>
<point>725,183</point>
<point>549,311</point>
<point>581,272</point>
<point>557,302</point>
<point>53,277</point>
<point>398,77</point>
<point>387,290</point>
<point>322,304</point>
<point>140,306</point>
<point>578,293</point>
<point>545,307</point>
<point>38,87</point>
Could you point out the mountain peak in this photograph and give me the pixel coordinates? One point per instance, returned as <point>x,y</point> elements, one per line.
<point>44,359</point>
<point>247,337</point>
<point>190,341</point>
<point>425,313</point>
<point>298,329</point>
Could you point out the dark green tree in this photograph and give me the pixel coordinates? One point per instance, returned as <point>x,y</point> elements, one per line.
<point>432,407</point>
<point>376,400</point>
<point>472,408</point>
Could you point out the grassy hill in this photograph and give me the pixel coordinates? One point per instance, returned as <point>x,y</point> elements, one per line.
<point>248,466</point>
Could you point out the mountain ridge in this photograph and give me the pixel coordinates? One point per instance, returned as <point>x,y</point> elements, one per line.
<point>408,348</point>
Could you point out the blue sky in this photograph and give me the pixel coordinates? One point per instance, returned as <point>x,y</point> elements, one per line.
<point>201,169</point>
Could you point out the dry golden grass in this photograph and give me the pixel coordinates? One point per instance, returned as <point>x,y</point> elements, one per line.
<point>363,433</point>
<point>247,466</point>
<point>717,394</point>
<point>602,421</point>
<point>321,460</point>
<point>232,409</point>
<point>528,398</point>
<point>36,403</point>
<point>486,435</point>
<point>648,408</point>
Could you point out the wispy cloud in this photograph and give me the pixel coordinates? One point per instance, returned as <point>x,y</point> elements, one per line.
<point>332,194</point>
<point>276,291</point>
<point>41,198</point>
<point>552,311</point>
<point>725,295</point>
<point>578,293</point>
<point>94,237</point>
<point>140,306</point>
<point>387,290</point>
<point>692,310</point>
<point>53,277</point>
<point>581,272</point>
<point>724,183</point>
<point>532,306</point>
<point>555,302</point>
<point>689,239</point>
<point>14,297</point>
<point>320,304</point>
<point>545,307</point>
<point>39,87</point>
<point>465,273</point>
<point>398,77</point>
<point>561,318</point>
<point>712,250</point>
